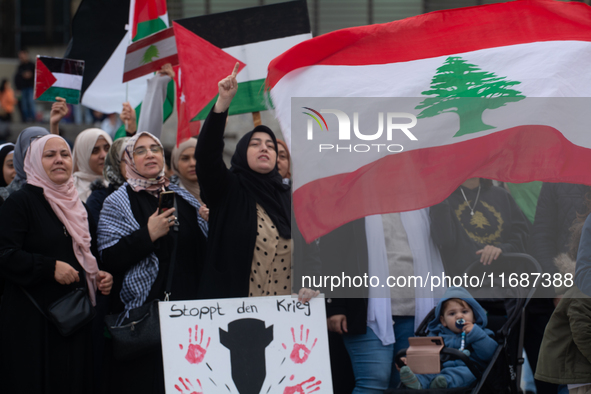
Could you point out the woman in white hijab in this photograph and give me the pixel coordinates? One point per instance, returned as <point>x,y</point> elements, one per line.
<point>90,149</point>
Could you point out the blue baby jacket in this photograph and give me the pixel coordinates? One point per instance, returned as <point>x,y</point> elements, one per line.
<point>478,341</point>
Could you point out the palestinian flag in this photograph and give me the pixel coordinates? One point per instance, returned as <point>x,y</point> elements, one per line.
<point>56,77</point>
<point>100,38</point>
<point>253,36</point>
<point>149,54</point>
<point>206,62</point>
<point>496,91</point>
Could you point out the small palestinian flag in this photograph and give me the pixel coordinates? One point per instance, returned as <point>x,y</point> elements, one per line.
<point>253,36</point>
<point>149,54</point>
<point>56,77</point>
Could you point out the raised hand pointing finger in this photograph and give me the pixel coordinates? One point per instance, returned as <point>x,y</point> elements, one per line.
<point>227,90</point>
<point>236,68</point>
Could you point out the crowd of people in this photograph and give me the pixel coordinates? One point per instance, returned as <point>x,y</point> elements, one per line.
<point>90,220</point>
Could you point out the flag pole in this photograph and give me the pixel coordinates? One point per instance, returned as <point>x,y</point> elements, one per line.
<point>256,118</point>
<point>126,100</point>
<point>129,28</point>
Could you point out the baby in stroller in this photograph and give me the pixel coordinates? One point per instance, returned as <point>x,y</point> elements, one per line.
<point>461,322</point>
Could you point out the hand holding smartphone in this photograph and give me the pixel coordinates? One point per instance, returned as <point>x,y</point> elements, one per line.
<point>166,201</point>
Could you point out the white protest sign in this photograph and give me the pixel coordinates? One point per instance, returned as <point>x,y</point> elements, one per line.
<point>260,345</point>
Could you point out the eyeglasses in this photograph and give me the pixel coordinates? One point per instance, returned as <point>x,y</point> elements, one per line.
<point>141,151</point>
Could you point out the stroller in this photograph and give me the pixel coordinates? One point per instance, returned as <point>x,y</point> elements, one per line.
<point>505,312</point>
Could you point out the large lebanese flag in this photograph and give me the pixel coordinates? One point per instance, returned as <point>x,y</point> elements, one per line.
<point>531,56</point>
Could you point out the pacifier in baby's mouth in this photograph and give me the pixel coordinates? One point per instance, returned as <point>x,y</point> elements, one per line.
<point>460,325</point>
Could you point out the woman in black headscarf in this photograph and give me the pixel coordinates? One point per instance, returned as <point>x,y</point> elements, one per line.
<point>249,243</point>
<point>7,172</point>
<point>20,151</point>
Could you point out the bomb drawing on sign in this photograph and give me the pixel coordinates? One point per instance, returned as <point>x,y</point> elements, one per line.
<point>196,352</point>
<point>247,340</point>
<point>306,387</point>
<point>300,351</point>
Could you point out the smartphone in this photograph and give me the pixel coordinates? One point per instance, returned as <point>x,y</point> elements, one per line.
<point>166,201</point>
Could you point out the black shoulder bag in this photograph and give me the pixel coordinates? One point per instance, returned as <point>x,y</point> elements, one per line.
<point>70,313</point>
<point>139,334</point>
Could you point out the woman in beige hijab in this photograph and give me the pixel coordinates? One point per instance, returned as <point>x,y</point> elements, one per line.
<point>183,166</point>
<point>90,149</point>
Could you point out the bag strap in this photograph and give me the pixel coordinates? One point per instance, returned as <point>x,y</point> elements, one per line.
<point>174,234</point>
<point>34,302</point>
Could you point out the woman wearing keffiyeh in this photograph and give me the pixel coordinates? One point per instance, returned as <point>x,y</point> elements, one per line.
<point>136,244</point>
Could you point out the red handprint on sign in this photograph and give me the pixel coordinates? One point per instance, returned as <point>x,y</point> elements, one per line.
<point>195,352</point>
<point>299,388</point>
<point>188,386</point>
<point>300,351</point>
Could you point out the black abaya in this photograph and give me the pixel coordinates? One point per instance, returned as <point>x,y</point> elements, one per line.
<point>34,356</point>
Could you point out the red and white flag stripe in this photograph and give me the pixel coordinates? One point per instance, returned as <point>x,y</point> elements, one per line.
<point>138,62</point>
